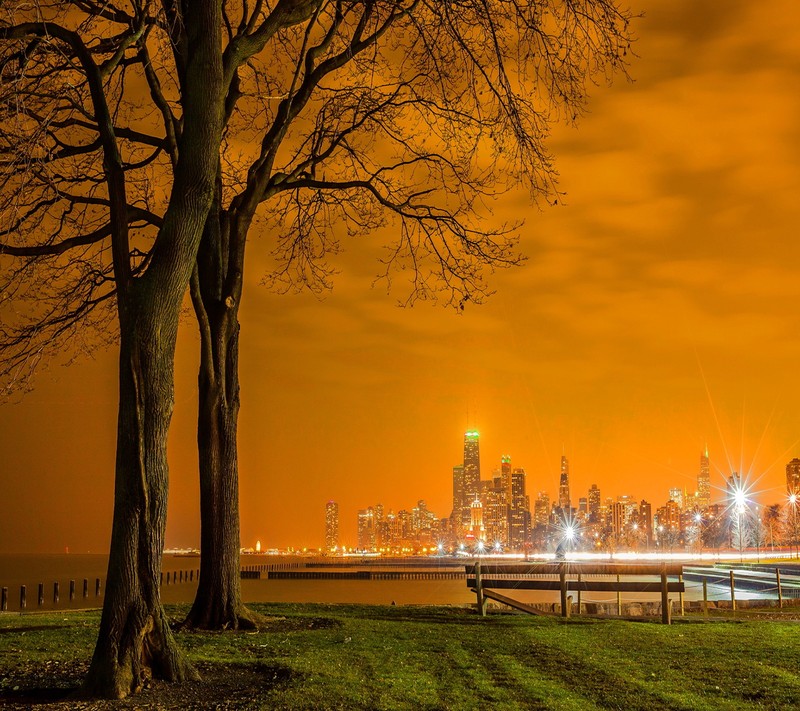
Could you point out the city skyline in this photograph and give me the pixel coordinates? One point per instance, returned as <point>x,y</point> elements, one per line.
<point>656,313</point>
<point>460,523</point>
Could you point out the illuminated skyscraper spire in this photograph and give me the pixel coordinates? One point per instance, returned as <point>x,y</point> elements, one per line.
<point>563,486</point>
<point>466,484</point>
<point>472,467</point>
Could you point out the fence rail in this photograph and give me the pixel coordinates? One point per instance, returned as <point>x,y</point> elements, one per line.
<point>726,586</point>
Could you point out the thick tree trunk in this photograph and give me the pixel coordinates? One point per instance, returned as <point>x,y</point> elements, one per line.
<point>135,641</point>
<point>218,603</point>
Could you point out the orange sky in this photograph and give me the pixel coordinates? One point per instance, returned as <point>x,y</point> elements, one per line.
<point>658,311</point>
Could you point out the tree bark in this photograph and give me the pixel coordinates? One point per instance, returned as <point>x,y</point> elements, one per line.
<point>135,641</point>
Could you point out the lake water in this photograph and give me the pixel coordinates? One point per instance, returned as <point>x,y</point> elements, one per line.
<point>31,570</point>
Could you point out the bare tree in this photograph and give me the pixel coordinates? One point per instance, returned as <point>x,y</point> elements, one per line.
<point>411,112</point>
<point>414,112</point>
<point>74,146</point>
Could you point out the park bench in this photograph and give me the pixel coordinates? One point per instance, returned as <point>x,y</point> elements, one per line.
<point>485,579</point>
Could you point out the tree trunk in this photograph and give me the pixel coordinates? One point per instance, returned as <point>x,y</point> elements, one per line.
<point>216,291</point>
<point>218,603</point>
<point>135,641</point>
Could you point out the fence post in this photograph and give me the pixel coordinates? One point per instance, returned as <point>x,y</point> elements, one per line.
<point>683,611</point>
<point>41,594</point>
<point>71,590</point>
<point>733,593</point>
<point>619,598</point>
<point>23,597</point>
<point>665,611</point>
<point>705,597</point>
<point>4,600</point>
<point>56,591</point>
<point>562,576</point>
<point>579,593</point>
<point>479,589</point>
<point>85,587</point>
<point>97,587</point>
<point>780,591</point>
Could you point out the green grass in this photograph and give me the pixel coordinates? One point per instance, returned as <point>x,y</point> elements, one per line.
<point>370,657</point>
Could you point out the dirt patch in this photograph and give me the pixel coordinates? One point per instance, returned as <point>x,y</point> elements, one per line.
<point>222,686</point>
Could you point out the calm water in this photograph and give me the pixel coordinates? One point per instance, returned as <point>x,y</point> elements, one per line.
<point>30,570</point>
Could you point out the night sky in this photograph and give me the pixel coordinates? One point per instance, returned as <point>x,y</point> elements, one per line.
<point>657,312</point>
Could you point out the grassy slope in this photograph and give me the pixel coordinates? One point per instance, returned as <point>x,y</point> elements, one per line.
<point>318,656</point>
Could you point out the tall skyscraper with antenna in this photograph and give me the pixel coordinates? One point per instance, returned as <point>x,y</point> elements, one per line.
<point>704,482</point>
<point>472,467</point>
<point>466,483</point>
<point>563,486</point>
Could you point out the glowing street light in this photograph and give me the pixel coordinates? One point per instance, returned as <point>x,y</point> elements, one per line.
<point>739,508</point>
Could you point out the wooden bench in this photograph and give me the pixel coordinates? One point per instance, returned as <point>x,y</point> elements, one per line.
<point>486,578</point>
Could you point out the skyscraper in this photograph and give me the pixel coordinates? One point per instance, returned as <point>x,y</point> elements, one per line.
<point>331,525</point>
<point>496,512</point>
<point>472,467</point>
<point>505,476</point>
<point>366,529</point>
<point>676,495</point>
<point>471,476</point>
<point>563,487</point>
<point>793,477</point>
<point>646,521</point>
<point>456,522</point>
<point>704,482</point>
<point>476,529</point>
<point>541,509</point>
<point>594,504</point>
<point>520,522</point>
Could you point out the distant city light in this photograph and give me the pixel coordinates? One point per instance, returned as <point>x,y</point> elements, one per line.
<point>495,516</point>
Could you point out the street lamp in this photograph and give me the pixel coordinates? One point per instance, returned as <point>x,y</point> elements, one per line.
<point>740,505</point>
<point>793,504</point>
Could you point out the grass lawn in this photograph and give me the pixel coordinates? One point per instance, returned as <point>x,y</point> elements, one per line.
<point>372,657</point>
